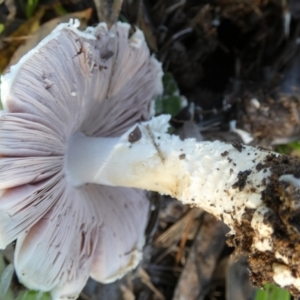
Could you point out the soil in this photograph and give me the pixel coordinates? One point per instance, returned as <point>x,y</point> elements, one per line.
<point>283,217</point>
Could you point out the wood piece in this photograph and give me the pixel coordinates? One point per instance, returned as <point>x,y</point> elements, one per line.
<point>202,259</point>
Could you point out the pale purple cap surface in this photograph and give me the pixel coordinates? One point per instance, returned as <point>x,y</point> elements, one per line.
<point>97,82</point>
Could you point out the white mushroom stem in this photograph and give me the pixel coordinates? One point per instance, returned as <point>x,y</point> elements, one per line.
<point>147,157</point>
<point>254,191</point>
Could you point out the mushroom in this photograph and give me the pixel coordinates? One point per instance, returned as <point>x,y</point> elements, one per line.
<point>96,83</point>
<point>55,177</point>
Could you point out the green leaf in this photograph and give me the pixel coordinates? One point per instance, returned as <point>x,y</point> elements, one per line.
<point>6,273</point>
<point>171,101</point>
<point>2,27</point>
<point>6,278</point>
<point>159,106</point>
<point>60,10</point>
<point>30,8</point>
<point>170,85</point>
<point>172,105</point>
<point>32,295</point>
<point>289,148</point>
<point>272,292</point>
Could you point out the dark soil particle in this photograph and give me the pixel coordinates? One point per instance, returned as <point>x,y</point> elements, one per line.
<point>242,180</point>
<point>182,156</point>
<point>259,166</point>
<point>282,200</point>
<point>223,154</point>
<point>239,146</point>
<point>135,135</point>
<point>243,238</point>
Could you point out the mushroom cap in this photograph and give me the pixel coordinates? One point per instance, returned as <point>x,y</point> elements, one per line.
<point>99,82</point>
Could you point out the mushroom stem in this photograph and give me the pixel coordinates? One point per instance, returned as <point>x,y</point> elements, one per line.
<point>254,191</point>
<point>209,174</point>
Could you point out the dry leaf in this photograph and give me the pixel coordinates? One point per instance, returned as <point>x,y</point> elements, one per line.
<point>108,10</point>
<point>203,256</point>
<point>14,40</point>
<point>127,293</point>
<point>145,278</point>
<point>145,25</point>
<point>172,235</point>
<point>238,285</point>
